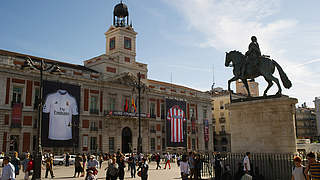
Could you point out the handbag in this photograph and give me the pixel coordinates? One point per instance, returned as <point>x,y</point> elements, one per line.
<point>246,177</point>
<point>139,173</point>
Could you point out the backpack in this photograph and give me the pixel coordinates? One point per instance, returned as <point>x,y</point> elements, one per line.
<point>112,170</point>
<point>303,168</point>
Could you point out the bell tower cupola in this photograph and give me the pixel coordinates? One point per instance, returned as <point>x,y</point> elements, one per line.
<point>120,15</point>
<point>121,37</point>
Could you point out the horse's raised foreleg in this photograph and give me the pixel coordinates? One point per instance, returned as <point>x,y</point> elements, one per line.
<point>245,82</point>
<point>231,80</point>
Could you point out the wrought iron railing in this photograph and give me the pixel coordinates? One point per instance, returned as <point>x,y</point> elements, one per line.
<point>269,166</point>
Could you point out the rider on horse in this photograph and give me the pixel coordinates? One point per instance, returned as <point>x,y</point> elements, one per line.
<point>252,54</point>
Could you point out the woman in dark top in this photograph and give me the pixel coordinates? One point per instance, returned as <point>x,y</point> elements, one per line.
<point>121,167</point>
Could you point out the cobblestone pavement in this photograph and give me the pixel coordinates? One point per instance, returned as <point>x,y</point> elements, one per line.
<point>62,172</point>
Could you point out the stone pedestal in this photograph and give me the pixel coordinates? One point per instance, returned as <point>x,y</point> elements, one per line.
<point>263,125</point>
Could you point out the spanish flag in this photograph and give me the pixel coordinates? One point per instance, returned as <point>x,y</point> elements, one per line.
<point>133,105</point>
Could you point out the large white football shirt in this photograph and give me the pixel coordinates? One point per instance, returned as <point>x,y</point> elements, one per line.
<point>61,107</point>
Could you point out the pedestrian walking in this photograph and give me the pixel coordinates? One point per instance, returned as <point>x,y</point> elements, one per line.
<point>158,158</point>
<point>67,159</point>
<point>217,166</point>
<point>168,159</point>
<point>100,160</point>
<point>298,170</point>
<point>8,171</point>
<point>313,167</point>
<point>112,170</point>
<point>197,166</point>
<point>184,168</point>
<point>49,165</point>
<point>84,164</point>
<point>15,161</point>
<point>144,167</point>
<point>122,166</point>
<point>78,165</point>
<point>132,163</point>
<point>25,163</point>
<point>246,163</point>
<point>191,164</point>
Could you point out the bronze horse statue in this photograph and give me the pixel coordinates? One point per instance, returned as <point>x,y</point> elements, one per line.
<point>263,67</point>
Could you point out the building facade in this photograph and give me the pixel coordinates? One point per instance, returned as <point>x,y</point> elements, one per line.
<point>317,111</point>
<point>253,87</point>
<point>306,125</point>
<point>109,100</point>
<point>221,119</point>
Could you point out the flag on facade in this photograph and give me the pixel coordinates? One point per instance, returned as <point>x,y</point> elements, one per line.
<point>126,106</point>
<point>176,116</point>
<point>133,105</point>
<point>176,123</point>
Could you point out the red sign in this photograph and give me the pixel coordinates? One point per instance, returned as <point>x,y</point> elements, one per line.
<point>206,130</point>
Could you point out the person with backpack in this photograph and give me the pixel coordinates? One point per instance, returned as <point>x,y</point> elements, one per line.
<point>113,170</point>
<point>15,160</point>
<point>298,170</point>
<point>144,167</point>
<point>158,158</point>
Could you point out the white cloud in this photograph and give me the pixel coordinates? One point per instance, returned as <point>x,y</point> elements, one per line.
<point>229,24</point>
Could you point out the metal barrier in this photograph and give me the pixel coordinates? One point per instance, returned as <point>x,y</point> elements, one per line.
<point>264,166</point>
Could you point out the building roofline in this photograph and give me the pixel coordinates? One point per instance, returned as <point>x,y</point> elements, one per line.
<point>60,63</point>
<point>173,85</point>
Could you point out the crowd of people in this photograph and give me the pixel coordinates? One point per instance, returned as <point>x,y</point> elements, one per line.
<point>190,165</point>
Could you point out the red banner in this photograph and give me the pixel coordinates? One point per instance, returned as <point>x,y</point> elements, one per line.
<point>206,130</point>
<point>16,115</point>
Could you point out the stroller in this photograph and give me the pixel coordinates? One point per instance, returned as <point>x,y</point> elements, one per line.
<point>91,174</point>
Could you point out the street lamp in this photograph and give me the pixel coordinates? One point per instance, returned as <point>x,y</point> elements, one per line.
<point>41,66</point>
<point>139,86</point>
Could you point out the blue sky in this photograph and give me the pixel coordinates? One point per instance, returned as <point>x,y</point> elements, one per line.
<point>182,37</point>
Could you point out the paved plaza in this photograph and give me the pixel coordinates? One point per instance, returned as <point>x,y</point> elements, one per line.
<point>62,172</point>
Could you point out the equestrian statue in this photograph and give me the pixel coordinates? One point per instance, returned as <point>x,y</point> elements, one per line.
<point>252,65</point>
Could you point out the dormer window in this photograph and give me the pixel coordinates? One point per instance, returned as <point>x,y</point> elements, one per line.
<point>127,43</point>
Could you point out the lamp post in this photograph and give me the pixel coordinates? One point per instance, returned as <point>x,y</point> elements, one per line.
<point>139,86</point>
<point>42,67</point>
<point>139,115</point>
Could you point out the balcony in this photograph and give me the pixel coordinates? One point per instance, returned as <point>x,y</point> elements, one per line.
<point>93,128</point>
<point>15,125</point>
<point>222,120</point>
<point>153,116</point>
<point>94,111</point>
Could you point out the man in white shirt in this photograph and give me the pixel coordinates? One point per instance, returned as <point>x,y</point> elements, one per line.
<point>246,163</point>
<point>61,106</point>
<point>8,171</point>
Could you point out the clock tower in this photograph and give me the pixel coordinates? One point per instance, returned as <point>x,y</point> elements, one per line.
<point>121,37</point>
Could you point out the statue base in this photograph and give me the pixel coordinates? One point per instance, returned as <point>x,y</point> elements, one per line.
<point>263,124</point>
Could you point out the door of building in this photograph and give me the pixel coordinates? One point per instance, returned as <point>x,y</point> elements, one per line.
<point>126,140</point>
